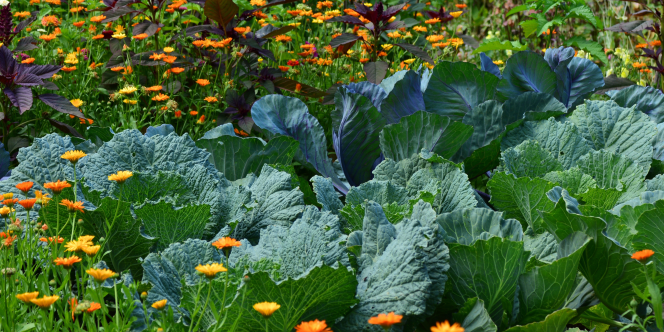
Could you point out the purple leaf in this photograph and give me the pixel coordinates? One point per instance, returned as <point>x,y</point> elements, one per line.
<point>418,52</point>
<point>391,11</point>
<point>26,79</point>
<point>65,128</point>
<point>375,71</point>
<point>21,97</point>
<point>60,104</point>
<point>343,39</point>
<point>145,27</point>
<point>222,11</point>
<point>8,64</point>
<point>41,71</point>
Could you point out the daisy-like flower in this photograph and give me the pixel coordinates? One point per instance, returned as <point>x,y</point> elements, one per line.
<point>211,270</point>
<point>211,99</point>
<point>42,198</point>
<point>57,187</point>
<point>226,242</point>
<point>266,308</point>
<point>100,274</point>
<point>25,186</point>
<point>94,306</point>
<point>154,88</point>
<point>176,70</point>
<point>28,204</point>
<point>10,202</point>
<point>52,239</point>
<point>140,36</point>
<point>446,327</point>
<point>8,195</point>
<point>120,177</point>
<point>160,97</point>
<point>72,206</point>
<point>5,211</point>
<point>45,301</point>
<point>643,255</point>
<point>168,49</point>
<point>73,156</point>
<point>313,326</point>
<point>127,90</point>
<point>202,82</point>
<point>76,102</point>
<point>68,262</point>
<point>78,245</point>
<point>385,320</point>
<point>27,297</point>
<point>161,304</point>
<point>456,14</point>
<point>91,250</point>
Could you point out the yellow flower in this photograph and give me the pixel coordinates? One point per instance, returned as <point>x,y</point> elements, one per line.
<point>456,14</point>
<point>8,195</point>
<point>211,270</point>
<point>266,308</point>
<point>409,61</point>
<point>368,4</point>
<point>45,301</point>
<point>73,156</point>
<point>71,59</point>
<point>91,250</point>
<point>79,244</point>
<point>168,49</point>
<point>130,101</point>
<point>127,90</point>
<point>42,198</point>
<point>100,274</point>
<point>119,36</point>
<point>120,177</point>
<point>27,297</point>
<point>5,211</point>
<point>387,47</point>
<point>76,102</point>
<point>160,304</point>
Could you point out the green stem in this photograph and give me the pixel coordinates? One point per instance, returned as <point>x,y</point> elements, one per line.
<point>204,306</point>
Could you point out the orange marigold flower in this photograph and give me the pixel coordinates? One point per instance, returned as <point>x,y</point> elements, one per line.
<point>140,36</point>
<point>100,274</point>
<point>76,9</point>
<point>157,56</point>
<point>68,262</point>
<point>73,156</point>
<point>461,5</point>
<point>25,186</point>
<point>240,132</point>
<point>655,43</point>
<point>68,69</point>
<point>284,68</point>
<point>313,326</point>
<point>22,14</point>
<point>211,99</point>
<point>97,37</point>
<point>283,38</point>
<point>643,255</point>
<point>97,19</point>
<point>72,206</point>
<point>160,304</point>
<point>266,308</point>
<point>28,204</point>
<point>201,120</point>
<point>57,186</point>
<point>28,61</point>
<point>446,327</point>
<point>178,114</point>
<point>27,297</point>
<point>48,37</point>
<point>160,97</point>
<point>169,59</point>
<point>432,21</point>
<point>176,70</point>
<point>226,242</point>
<point>10,202</point>
<point>154,88</point>
<point>94,306</point>
<point>202,82</point>
<point>298,87</point>
<point>120,177</point>
<point>385,320</point>
<point>193,113</point>
<point>78,24</point>
<point>8,241</point>
<point>45,301</point>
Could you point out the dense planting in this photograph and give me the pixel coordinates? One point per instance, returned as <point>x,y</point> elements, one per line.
<point>242,166</point>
